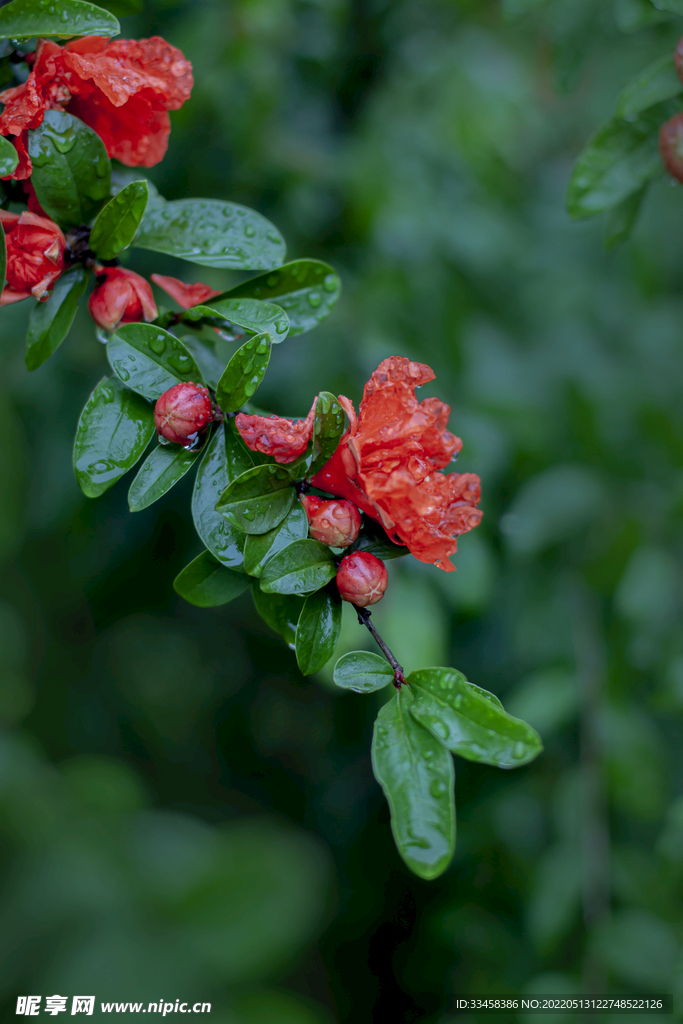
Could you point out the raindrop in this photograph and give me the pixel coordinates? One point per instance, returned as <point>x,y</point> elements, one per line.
<point>314,299</point>
<point>158,344</point>
<point>271,281</point>
<point>122,373</point>
<point>437,788</point>
<point>330,283</point>
<point>249,230</point>
<point>439,728</point>
<point>519,750</point>
<point>249,515</point>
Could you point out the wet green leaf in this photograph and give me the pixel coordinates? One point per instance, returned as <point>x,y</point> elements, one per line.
<point>318,629</point>
<point>469,723</point>
<point>262,546</point>
<point>162,468</point>
<point>212,233</point>
<point>303,567</point>
<point>118,221</point>
<point>362,672</point>
<point>115,427</point>
<point>30,19</point>
<point>328,428</point>
<point>251,314</point>
<point>259,499</point>
<point>71,169</point>
<point>224,459</point>
<point>51,321</point>
<point>206,583</point>
<point>373,539</point>
<point>244,373</point>
<point>417,776</point>
<point>656,83</point>
<point>280,611</point>
<point>149,360</point>
<point>9,158</point>
<point>306,290</point>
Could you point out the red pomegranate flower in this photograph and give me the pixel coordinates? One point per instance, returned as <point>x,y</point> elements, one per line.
<point>35,256</point>
<point>284,439</point>
<point>122,89</point>
<point>186,295</point>
<point>120,297</point>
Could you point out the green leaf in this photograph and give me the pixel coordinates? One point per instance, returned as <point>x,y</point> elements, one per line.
<point>258,500</point>
<point>30,19</point>
<point>318,629</point>
<point>280,611</point>
<point>9,158</point>
<point>204,354</point>
<point>206,583</point>
<point>328,428</point>
<point>659,81</point>
<point>302,567</point>
<point>620,158</point>
<point>149,360</point>
<point>162,468</point>
<point>51,321</point>
<point>118,221</point>
<point>262,546</point>
<point>251,314</point>
<point>468,723</point>
<point>224,459</point>
<point>418,780</point>
<point>213,234</point>
<point>306,289</point>
<point>362,672</point>
<point>115,427</point>
<point>71,169</point>
<point>243,374</point>
<point>373,539</point>
<point>621,219</point>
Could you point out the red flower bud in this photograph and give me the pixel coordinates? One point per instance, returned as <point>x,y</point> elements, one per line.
<point>361,579</point>
<point>121,297</point>
<point>35,256</point>
<point>335,523</point>
<point>182,412</point>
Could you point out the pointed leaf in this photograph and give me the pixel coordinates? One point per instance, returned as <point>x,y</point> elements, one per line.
<point>468,723</point>
<point>115,427</point>
<point>262,546</point>
<point>251,314</point>
<point>51,321</point>
<point>71,169</point>
<point>244,373</point>
<point>328,428</point>
<point>149,360</point>
<point>224,459</point>
<point>207,583</point>
<point>30,19</point>
<point>118,221</point>
<point>162,468</point>
<point>9,158</point>
<point>656,83</point>
<point>362,672</point>
<point>306,290</point>
<point>212,233</point>
<point>258,500</point>
<point>280,611</point>
<point>318,629</point>
<point>417,776</point>
<point>301,568</point>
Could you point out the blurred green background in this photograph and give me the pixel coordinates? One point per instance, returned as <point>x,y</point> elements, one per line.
<point>182,814</point>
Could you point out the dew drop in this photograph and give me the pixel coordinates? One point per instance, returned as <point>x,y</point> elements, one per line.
<point>122,373</point>
<point>519,750</point>
<point>330,283</point>
<point>249,515</point>
<point>158,344</point>
<point>437,788</point>
<point>314,299</point>
<point>271,281</point>
<point>249,230</point>
<point>439,728</point>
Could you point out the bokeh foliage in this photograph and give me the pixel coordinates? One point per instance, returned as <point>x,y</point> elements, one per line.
<point>181,811</point>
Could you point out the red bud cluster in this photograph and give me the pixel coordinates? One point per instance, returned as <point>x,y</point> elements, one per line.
<point>121,297</point>
<point>35,256</point>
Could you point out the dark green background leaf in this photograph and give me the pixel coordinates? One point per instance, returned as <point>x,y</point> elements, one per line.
<point>306,290</point>
<point>224,459</point>
<point>118,221</point>
<point>262,546</point>
<point>149,360</point>
<point>115,427</point>
<point>244,373</point>
<point>29,19</point>
<point>258,500</point>
<point>162,468</point>
<point>71,169</point>
<point>301,568</point>
<point>9,158</point>
<point>656,83</point>
<point>280,611</point>
<point>51,321</point>
<point>212,233</point>
<point>318,629</point>
<point>207,583</point>
<point>362,672</point>
<point>417,776</point>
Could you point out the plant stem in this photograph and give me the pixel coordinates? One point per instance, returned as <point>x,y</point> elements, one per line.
<point>364,619</point>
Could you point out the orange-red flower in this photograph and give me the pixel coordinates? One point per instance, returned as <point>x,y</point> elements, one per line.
<point>121,297</point>
<point>388,460</point>
<point>123,89</point>
<point>35,256</point>
<point>186,295</point>
<point>284,439</point>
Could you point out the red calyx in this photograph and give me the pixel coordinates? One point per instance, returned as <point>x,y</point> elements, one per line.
<point>182,412</point>
<point>361,579</point>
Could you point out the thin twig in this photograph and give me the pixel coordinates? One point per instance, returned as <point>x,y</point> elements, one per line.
<point>364,619</point>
